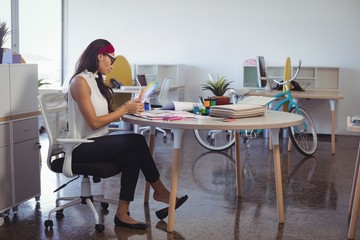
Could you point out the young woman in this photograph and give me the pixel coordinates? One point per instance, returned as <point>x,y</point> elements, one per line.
<point>90,112</point>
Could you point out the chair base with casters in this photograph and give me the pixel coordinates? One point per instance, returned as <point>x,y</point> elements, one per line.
<point>106,170</point>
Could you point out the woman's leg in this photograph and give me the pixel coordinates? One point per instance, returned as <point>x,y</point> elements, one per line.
<point>131,153</point>
<point>112,148</point>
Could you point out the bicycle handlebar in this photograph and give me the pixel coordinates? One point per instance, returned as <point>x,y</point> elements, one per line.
<point>293,78</point>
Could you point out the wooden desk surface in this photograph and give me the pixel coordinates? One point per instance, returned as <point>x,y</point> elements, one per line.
<point>309,93</point>
<point>272,119</point>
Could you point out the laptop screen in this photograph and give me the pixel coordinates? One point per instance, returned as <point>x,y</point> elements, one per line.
<point>142,80</point>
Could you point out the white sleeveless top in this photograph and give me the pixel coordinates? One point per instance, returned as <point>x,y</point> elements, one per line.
<point>78,128</point>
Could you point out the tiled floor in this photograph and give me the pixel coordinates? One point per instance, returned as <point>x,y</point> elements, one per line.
<point>316,195</point>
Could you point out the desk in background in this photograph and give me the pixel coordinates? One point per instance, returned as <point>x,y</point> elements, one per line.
<point>273,120</point>
<point>331,95</point>
<point>136,90</point>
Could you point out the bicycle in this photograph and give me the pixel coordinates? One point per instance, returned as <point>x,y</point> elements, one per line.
<point>303,136</point>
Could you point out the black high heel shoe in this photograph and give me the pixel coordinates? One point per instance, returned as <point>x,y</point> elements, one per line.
<point>138,226</point>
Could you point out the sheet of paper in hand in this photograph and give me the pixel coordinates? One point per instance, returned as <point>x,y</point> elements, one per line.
<point>148,90</point>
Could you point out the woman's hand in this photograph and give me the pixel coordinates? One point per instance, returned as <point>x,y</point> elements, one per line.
<point>134,106</point>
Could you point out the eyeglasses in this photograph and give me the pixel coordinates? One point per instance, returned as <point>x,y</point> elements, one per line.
<point>112,59</point>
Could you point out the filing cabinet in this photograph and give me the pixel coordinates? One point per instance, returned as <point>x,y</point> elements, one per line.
<point>19,135</point>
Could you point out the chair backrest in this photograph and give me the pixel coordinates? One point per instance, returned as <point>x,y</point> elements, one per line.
<point>54,111</point>
<point>163,97</point>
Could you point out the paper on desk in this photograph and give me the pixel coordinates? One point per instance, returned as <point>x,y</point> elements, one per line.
<point>257,100</point>
<point>161,114</point>
<point>179,106</point>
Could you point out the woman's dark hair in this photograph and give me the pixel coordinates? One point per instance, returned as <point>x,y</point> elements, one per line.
<point>89,61</point>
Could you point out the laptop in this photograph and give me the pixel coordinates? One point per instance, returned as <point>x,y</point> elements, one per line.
<point>142,80</point>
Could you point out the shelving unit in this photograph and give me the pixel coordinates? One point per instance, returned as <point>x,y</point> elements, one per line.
<point>19,135</point>
<point>250,76</point>
<point>310,77</point>
<point>159,72</point>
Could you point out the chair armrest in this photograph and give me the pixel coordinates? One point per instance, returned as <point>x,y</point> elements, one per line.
<point>68,145</point>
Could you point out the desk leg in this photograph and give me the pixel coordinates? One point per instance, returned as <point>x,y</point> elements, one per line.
<point>174,177</point>
<point>238,164</point>
<point>354,199</point>
<point>354,180</point>
<point>332,108</point>
<point>151,147</point>
<point>277,168</point>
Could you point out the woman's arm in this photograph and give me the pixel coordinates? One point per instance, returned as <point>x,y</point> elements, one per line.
<point>81,93</point>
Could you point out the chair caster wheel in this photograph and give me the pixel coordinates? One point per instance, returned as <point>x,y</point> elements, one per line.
<point>164,139</point>
<point>104,205</point>
<point>7,212</point>
<point>15,209</point>
<point>59,214</point>
<point>48,223</point>
<point>99,227</point>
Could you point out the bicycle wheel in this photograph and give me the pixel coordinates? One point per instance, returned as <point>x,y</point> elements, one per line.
<point>215,140</point>
<point>304,136</point>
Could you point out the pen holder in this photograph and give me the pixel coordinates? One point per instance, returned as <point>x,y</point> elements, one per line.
<point>196,109</point>
<point>146,106</point>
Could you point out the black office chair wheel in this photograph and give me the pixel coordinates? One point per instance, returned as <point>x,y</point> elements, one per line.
<point>15,209</point>
<point>48,223</point>
<point>99,227</point>
<point>59,214</point>
<point>104,205</point>
<point>164,139</point>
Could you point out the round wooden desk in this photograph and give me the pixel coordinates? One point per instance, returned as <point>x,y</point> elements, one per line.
<point>273,120</point>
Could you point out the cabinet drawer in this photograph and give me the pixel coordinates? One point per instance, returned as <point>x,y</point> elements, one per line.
<point>26,170</point>
<point>25,129</point>
<point>4,134</point>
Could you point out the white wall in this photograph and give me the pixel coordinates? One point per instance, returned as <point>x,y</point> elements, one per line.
<point>217,36</point>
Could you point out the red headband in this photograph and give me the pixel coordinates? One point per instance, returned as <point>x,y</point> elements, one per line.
<point>107,49</point>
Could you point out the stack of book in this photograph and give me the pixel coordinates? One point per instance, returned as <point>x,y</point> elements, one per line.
<point>237,110</point>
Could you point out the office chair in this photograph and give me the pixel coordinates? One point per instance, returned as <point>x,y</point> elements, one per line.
<point>163,99</point>
<point>54,110</point>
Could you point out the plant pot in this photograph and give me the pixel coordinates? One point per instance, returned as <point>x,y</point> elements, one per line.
<point>222,100</point>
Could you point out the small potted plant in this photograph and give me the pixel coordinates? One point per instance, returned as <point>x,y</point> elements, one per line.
<point>4,32</point>
<point>218,87</point>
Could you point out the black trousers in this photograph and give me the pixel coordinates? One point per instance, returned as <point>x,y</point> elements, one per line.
<point>129,151</point>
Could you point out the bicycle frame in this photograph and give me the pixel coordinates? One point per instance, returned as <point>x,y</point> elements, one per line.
<point>287,98</point>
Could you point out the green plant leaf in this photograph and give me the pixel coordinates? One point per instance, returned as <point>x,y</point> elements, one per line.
<point>217,87</point>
